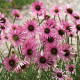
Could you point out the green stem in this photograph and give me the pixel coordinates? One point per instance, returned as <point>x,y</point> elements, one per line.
<point>41,21</point>
<point>54,17</point>
<point>59,18</point>
<point>14,20</point>
<point>71,41</point>
<point>78,44</point>
<point>66,17</point>
<point>38,18</point>
<point>9,50</point>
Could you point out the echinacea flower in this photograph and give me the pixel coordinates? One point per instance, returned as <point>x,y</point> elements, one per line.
<point>46,31</point>
<point>53,50</point>
<point>4,22</point>
<point>77,26</point>
<point>76,16</point>
<point>51,22</point>
<point>49,41</point>
<point>10,63</point>
<point>38,8</point>
<point>56,10</point>
<point>60,32</point>
<point>17,14</point>
<point>46,16</point>
<point>3,19</point>
<point>29,48</point>
<point>17,37</point>
<point>43,61</point>
<point>14,26</point>
<point>59,74</point>
<point>30,27</point>
<point>70,68</point>
<point>67,52</point>
<point>21,66</point>
<point>5,37</point>
<point>68,10</point>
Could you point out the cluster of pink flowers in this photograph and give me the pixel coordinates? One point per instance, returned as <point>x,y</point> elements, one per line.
<point>42,42</point>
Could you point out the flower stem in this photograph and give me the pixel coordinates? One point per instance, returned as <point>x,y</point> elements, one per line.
<point>78,44</point>
<point>59,18</point>
<point>66,17</point>
<point>71,41</point>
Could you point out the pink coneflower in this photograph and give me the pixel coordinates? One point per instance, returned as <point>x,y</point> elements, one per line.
<point>68,10</point>
<point>76,16</point>
<point>46,16</point>
<point>71,34</point>
<point>46,31</point>
<point>53,50</point>
<point>5,37</point>
<point>3,19</point>
<point>70,68</point>
<point>56,10</point>
<point>51,22</point>
<point>67,52</point>
<point>49,41</point>
<point>4,22</point>
<point>38,8</point>
<point>17,14</point>
<point>17,37</point>
<point>21,66</point>
<point>67,26</point>
<point>29,48</point>
<point>31,27</point>
<point>43,61</point>
<point>59,74</point>
<point>14,26</point>
<point>10,63</point>
<point>60,32</point>
<point>77,26</point>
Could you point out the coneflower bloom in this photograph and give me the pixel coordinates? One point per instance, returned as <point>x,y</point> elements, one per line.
<point>67,26</point>
<point>3,20</point>
<point>14,26</point>
<point>21,66</point>
<point>46,31</point>
<point>70,68</point>
<point>17,37</point>
<point>60,32</point>
<point>76,16</point>
<point>5,37</point>
<point>67,52</point>
<point>51,22</point>
<point>43,61</point>
<point>30,27</point>
<point>53,50</point>
<point>59,74</point>
<point>4,23</point>
<point>71,34</point>
<point>77,26</point>
<point>49,41</point>
<point>68,10</point>
<point>10,63</point>
<point>38,8</point>
<point>46,16</point>
<point>29,48</point>
<point>56,10</point>
<point>17,14</point>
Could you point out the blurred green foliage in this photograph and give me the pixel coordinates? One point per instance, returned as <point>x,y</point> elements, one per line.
<point>5,5</point>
